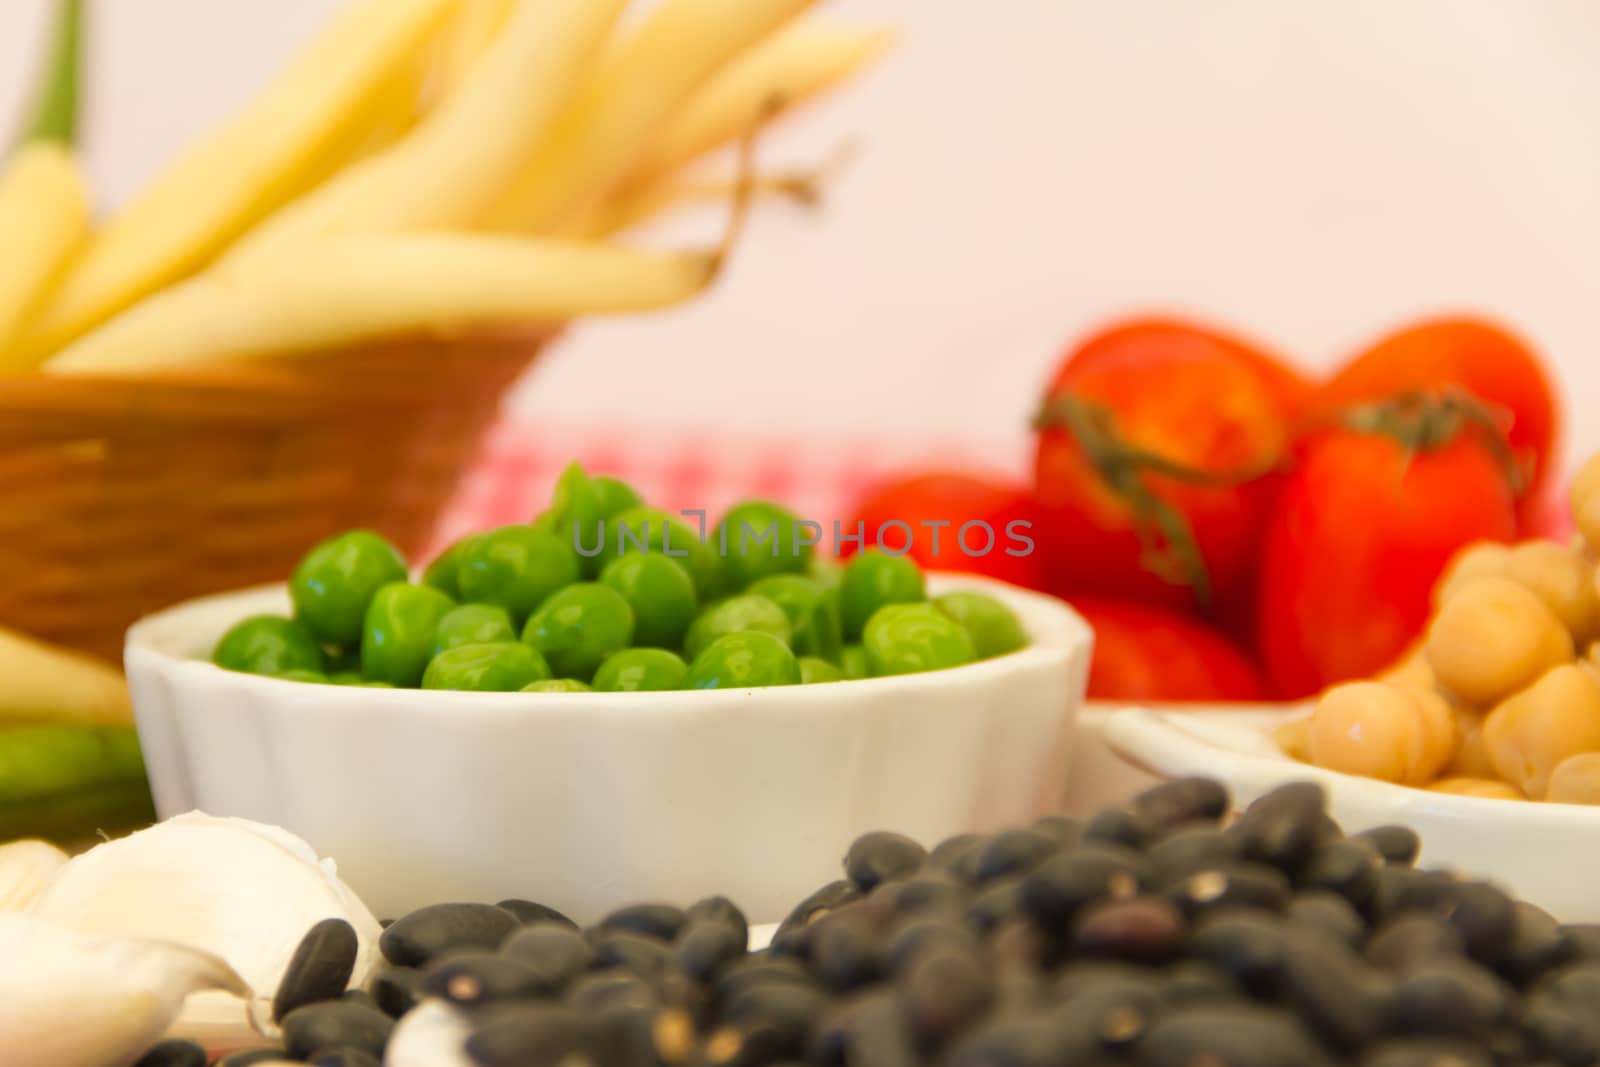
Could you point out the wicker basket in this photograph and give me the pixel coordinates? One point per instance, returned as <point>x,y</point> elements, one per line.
<point>119,496</point>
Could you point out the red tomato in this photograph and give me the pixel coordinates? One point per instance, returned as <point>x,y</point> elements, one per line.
<point>923,501</point>
<point>1116,517</point>
<point>1358,538</point>
<point>1288,387</point>
<point>1487,361</point>
<point>1145,653</point>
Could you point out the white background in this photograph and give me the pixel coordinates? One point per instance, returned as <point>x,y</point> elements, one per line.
<point>1309,172</point>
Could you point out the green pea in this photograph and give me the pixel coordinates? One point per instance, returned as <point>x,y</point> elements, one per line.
<point>813,611</point>
<point>348,678</point>
<point>746,660</point>
<point>853,661</point>
<point>444,573</point>
<point>638,670</point>
<point>579,509</point>
<point>756,539</point>
<point>661,594</point>
<point>908,638</point>
<point>398,639</point>
<point>378,685</point>
<point>579,626</point>
<point>826,570</point>
<point>504,667</point>
<point>314,677</point>
<point>268,644</point>
<point>473,624</point>
<point>337,579</point>
<point>556,685</point>
<point>516,567</point>
<point>342,660</point>
<point>814,671</point>
<point>871,580</point>
<point>653,531</point>
<point>993,627</point>
<point>736,615</point>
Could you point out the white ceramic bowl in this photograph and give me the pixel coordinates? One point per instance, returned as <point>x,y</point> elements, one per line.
<point>1548,854</point>
<point>586,801</point>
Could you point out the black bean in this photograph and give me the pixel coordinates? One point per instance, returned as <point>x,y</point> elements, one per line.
<point>661,921</point>
<point>1482,913</point>
<point>526,1035</point>
<point>426,932</point>
<point>1105,1007</point>
<point>1335,992</point>
<point>1411,940</point>
<point>359,996</point>
<point>1330,915</point>
<point>1019,1042</point>
<point>947,854</point>
<point>1561,1031</point>
<point>1017,952</point>
<point>1398,845</point>
<point>396,990</point>
<point>909,939</point>
<point>1450,999</point>
<point>644,956</point>
<point>1346,867</point>
<point>1230,1035</point>
<point>789,938</point>
<point>1537,944</point>
<point>995,903</point>
<point>1283,826</point>
<point>772,1021</point>
<point>1582,941</point>
<point>334,1024</point>
<point>553,951</point>
<point>1577,985</point>
<point>944,991</point>
<point>1426,1052</point>
<point>1064,831</point>
<point>1119,826</point>
<point>759,970</point>
<point>527,911</point>
<point>1182,800</point>
<point>480,978</point>
<point>250,1057</point>
<point>1189,850</point>
<point>1248,946</point>
<point>844,951</point>
<point>928,891</point>
<point>345,1057</point>
<point>882,857</point>
<point>1191,981</point>
<point>176,1052</point>
<point>1229,886</point>
<point>320,968</point>
<point>1013,852</point>
<point>599,990</point>
<point>872,1030</point>
<point>1055,890</point>
<point>705,947</point>
<point>1143,929</point>
<point>723,910</point>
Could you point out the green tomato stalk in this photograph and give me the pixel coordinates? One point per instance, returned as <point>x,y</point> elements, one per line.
<point>55,109</point>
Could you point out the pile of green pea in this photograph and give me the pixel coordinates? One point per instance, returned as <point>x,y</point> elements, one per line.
<point>648,605</point>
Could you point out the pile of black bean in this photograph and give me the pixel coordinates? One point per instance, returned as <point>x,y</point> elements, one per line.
<point>1151,935</point>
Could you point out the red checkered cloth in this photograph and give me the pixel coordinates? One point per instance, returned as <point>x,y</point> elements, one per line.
<point>676,468</point>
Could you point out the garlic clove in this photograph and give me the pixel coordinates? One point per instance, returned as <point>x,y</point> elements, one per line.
<point>72,1000</point>
<point>433,1034</point>
<point>244,891</point>
<point>25,868</point>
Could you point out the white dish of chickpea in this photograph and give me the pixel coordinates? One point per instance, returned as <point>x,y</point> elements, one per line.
<point>1548,854</point>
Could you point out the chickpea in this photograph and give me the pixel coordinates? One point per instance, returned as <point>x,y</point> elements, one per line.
<point>1410,672</point>
<point>1564,580</point>
<point>1381,731</point>
<point>1481,559</point>
<point>1529,734</point>
<point>1472,759</point>
<point>1493,638</point>
<point>1477,787</point>
<point>1576,780</point>
<point>1294,737</point>
<point>1584,499</point>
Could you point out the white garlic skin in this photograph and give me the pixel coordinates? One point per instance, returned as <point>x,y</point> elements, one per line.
<point>26,867</point>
